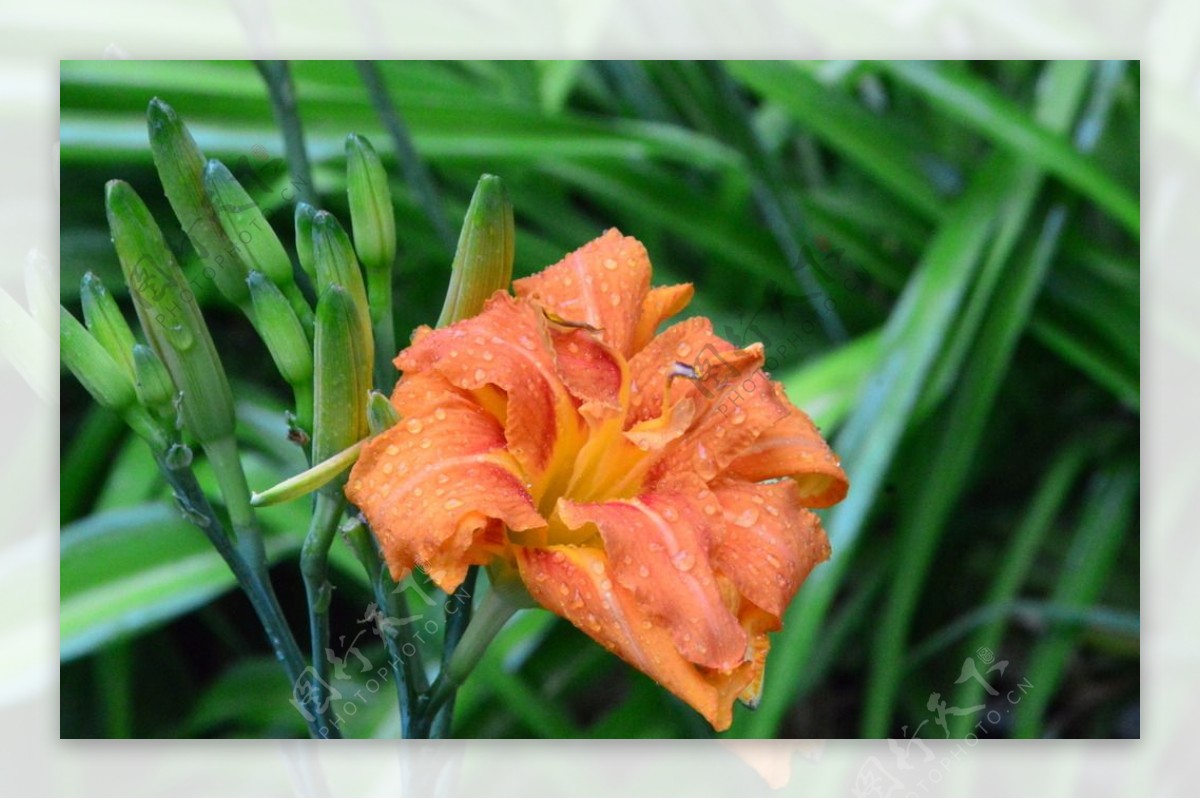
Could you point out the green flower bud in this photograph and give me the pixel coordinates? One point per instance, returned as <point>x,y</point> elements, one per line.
<point>281,330</point>
<point>180,167</point>
<point>169,315</point>
<point>484,259</point>
<point>154,387</point>
<point>381,415</point>
<point>371,213</point>
<point>91,364</point>
<point>106,322</point>
<point>342,378</point>
<point>245,225</point>
<point>304,241</point>
<point>337,266</point>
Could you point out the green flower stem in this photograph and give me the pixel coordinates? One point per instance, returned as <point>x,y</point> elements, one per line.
<point>314,567</point>
<point>383,326</point>
<point>498,606</point>
<point>456,624</point>
<point>415,172</point>
<point>390,601</point>
<point>262,598</point>
<point>283,103</point>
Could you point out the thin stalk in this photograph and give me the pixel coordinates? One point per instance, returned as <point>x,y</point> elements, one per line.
<point>314,567</point>
<point>457,621</point>
<point>362,543</point>
<point>383,326</point>
<point>262,598</point>
<point>494,612</point>
<point>414,168</point>
<point>283,104</point>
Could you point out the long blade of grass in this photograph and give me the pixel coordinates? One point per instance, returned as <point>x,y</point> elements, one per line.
<point>1107,519</point>
<point>976,103</point>
<point>911,341</point>
<point>958,437</point>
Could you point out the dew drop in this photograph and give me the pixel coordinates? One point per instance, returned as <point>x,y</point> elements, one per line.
<point>614,299</point>
<point>413,425</point>
<point>388,468</point>
<point>443,479</point>
<point>670,514</point>
<point>392,450</point>
<point>747,518</point>
<point>683,350</point>
<point>451,504</point>
<point>684,560</point>
<point>487,355</point>
<point>425,443</point>
<point>480,375</point>
<point>597,567</point>
<point>418,492</point>
<point>439,414</point>
<point>609,264</point>
<point>643,571</point>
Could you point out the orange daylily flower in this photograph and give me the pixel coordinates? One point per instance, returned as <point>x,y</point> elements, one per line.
<point>654,490</point>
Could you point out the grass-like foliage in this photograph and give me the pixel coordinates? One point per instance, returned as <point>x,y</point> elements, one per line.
<point>941,259</point>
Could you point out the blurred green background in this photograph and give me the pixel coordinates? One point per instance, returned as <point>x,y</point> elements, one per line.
<point>941,258</point>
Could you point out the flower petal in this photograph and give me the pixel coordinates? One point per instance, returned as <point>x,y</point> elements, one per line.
<point>577,584</point>
<point>602,284</point>
<point>429,485</point>
<point>657,547</point>
<point>661,303</point>
<point>507,346</point>
<point>769,542</point>
<point>793,447</point>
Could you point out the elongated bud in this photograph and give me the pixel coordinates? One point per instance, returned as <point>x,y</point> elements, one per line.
<point>304,241</point>
<point>371,213</point>
<point>180,165</point>
<point>484,259</point>
<point>257,244</point>
<point>91,364</point>
<point>381,415</point>
<point>337,266</point>
<point>169,315</point>
<point>106,322</point>
<point>342,378</point>
<point>154,387</point>
<point>282,332</point>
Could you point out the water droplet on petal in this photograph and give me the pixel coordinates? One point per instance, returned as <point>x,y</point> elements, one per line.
<point>439,414</point>
<point>747,518</point>
<point>684,560</point>
<point>643,571</point>
<point>670,514</point>
<point>609,264</point>
<point>413,425</point>
<point>480,375</point>
<point>683,350</point>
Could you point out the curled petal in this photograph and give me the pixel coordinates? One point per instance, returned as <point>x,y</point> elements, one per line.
<point>793,447</point>
<point>657,547</point>
<point>506,346</point>
<point>576,583</point>
<point>769,542</point>
<point>589,368</point>
<point>430,485</point>
<point>602,284</point>
<point>661,303</point>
